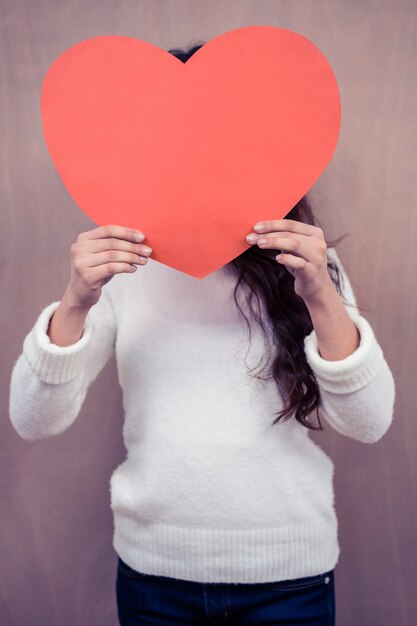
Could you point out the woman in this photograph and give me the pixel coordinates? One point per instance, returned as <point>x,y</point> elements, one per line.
<point>223,508</point>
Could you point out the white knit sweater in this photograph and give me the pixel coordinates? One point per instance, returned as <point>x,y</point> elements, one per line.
<point>209,491</point>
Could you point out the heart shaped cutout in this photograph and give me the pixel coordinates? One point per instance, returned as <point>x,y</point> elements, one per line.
<point>193,154</point>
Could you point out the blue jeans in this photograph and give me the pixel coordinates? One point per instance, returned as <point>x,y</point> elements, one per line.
<point>144,599</point>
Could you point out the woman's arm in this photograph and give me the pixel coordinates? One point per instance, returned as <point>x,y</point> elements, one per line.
<point>357,390</point>
<point>66,325</point>
<point>49,382</point>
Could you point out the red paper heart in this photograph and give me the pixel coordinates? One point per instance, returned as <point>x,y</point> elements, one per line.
<point>191,154</point>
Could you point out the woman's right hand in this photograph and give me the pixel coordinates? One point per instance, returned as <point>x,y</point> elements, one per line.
<point>98,255</point>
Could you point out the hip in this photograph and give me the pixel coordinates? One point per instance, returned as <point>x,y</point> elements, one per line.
<point>147,598</point>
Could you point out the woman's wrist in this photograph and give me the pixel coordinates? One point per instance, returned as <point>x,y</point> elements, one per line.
<point>67,323</point>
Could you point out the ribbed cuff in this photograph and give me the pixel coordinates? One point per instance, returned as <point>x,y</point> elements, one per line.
<point>353,372</point>
<point>52,363</point>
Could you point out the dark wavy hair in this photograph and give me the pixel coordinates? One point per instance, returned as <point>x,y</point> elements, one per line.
<point>258,270</point>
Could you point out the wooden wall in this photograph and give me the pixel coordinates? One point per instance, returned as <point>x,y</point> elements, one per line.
<point>57,565</point>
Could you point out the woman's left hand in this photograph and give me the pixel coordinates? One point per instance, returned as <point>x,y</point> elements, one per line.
<point>304,253</point>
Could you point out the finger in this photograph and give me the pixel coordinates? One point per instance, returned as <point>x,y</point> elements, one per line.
<point>297,245</point>
<point>107,270</point>
<point>115,256</point>
<point>286,224</point>
<point>113,230</point>
<point>291,262</point>
<point>113,243</point>
<point>255,237</point>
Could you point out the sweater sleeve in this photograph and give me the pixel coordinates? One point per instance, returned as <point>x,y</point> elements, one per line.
<point>357,392</point>
<point>48,382</point>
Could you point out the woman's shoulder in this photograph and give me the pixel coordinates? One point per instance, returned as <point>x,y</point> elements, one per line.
<point>348,291</point>
<point>332,253</point>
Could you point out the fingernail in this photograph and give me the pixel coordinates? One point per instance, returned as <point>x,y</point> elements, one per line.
<point>259,227</point>
<point>251,238</point>
<point>139,236</point>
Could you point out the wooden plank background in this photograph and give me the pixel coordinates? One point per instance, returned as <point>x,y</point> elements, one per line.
<point>57,565</point>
